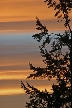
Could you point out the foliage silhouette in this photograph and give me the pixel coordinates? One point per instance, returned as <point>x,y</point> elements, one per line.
<point>58,64</point>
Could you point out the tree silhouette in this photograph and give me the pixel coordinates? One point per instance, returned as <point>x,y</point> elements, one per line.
<point>58,64</point>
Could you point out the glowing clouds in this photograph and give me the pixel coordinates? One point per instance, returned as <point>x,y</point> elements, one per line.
<point>14,75</point>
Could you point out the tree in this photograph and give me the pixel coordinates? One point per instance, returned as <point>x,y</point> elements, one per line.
<point>58,64</point>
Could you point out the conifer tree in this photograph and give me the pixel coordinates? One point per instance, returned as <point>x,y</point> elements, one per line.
<point>58,64</point>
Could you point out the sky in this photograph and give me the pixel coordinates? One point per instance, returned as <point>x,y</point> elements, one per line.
<point>20,15</point>
<point>18,48</point>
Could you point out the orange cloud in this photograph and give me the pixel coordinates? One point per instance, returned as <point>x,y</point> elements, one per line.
<point>21,14</point>
<point>14,75</point>
<point>12,87</point>
<point>11,91</point>
<point>22,10</point>
<point>15,91</point>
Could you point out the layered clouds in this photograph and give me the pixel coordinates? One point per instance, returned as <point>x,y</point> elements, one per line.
<point>16,51</point>
<point>22,10</point>
<point>20,15</point>
<point>18,48</point>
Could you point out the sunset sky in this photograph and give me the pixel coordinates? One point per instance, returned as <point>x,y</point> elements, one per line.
<point>18,48</point>
<point>20,15</point>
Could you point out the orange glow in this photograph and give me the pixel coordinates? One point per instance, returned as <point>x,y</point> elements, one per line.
<point>14,91</point>
<point>11,91</point>
<point>15,75</point>
<point>10,75</point>
<point>22,10</point>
